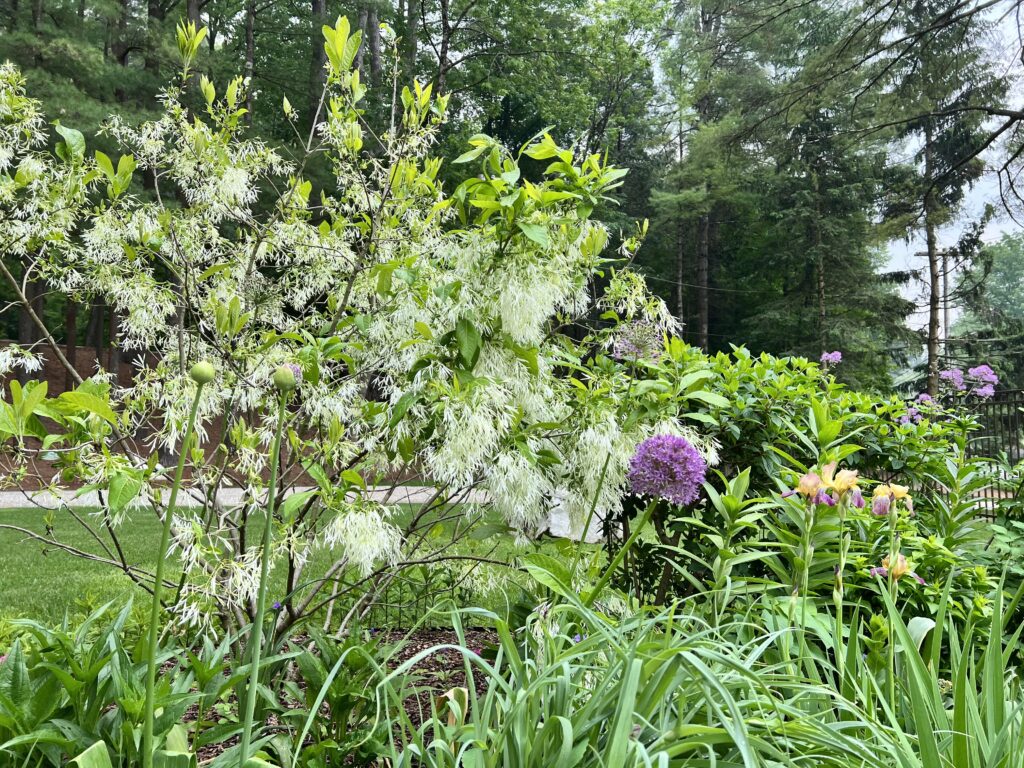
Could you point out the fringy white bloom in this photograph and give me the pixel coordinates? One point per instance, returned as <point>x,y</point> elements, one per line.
<point>14,357</point>
<point>365,535</point>
<point>518,490</point>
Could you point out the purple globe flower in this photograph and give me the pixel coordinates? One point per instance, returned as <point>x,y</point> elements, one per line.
<point>831,358</point>
<point>668,467</point>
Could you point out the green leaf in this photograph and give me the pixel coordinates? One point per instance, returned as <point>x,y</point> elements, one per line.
<point>124,487</point>
<point>166,759</point>
<point>293,503</point>
<point>470,342</point>
<point>536,232</point>
<point>72,149</point>
<point>401,407</point>
<point>83,401</point>
<point>105,164</point>
<point>549,572</point>
<point>708,397</point>
<point>95,756</point>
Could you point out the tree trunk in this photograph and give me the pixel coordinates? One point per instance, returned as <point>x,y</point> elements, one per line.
<point>154,30</point>
<point>363,14</point>
<point>442,57</point>
<point>37,13</point>
<point>703,228</point>
<point>681,272</point>
<point>250,55</point>
<point>94,330</point>
<point>945,303</point>
<point>412,27</point>
<point>70,341</point>
<point>317,71</point>
<point>819,255</point>
<point>373,43</point>
<point>192,12</point>
<point>934,268</point>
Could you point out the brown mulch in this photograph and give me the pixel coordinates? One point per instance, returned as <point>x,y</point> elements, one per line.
<point>442,670</point>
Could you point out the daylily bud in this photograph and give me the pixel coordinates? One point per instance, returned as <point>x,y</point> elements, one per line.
<point>203,372</point>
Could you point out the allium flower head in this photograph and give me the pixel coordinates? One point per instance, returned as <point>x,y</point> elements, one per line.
<point>831,358</point>
<point>668,467</point>
<point>637,340</point>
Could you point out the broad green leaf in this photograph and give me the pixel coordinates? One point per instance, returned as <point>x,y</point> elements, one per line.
<point>95,756</point>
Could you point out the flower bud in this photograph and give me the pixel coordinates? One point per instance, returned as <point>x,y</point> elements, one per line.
<point>202,372</point>
<point>284,378</point>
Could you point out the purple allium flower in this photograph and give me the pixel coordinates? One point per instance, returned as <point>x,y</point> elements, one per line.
<point>986,390</point>
<point>954,376</point>
<point>924,397</point>
<point>831,358</point>
<point>636,340</point>
<point>668,467</point>
<point>857,499</point>
<point>880,506</point>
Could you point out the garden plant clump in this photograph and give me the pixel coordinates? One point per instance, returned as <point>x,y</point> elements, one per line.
<point>389,379</point>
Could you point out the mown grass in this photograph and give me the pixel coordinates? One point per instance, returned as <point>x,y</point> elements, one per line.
<point>42,582</point>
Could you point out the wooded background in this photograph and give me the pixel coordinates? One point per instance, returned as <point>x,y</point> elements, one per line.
<point>776,146</point>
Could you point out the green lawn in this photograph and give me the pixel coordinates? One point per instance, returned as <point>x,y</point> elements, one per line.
<point>41,582</point>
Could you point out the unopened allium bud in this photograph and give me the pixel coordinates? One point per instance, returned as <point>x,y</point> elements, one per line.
<point>285,378</point>
<point>203,372</point>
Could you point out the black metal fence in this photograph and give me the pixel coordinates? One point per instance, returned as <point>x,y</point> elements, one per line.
<point>1001,437</point>
<point>1002,426</point>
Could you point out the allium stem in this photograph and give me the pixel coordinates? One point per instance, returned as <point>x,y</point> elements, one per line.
<point>158,578</point>
<point>256,635</point>
<point>621,554</point>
